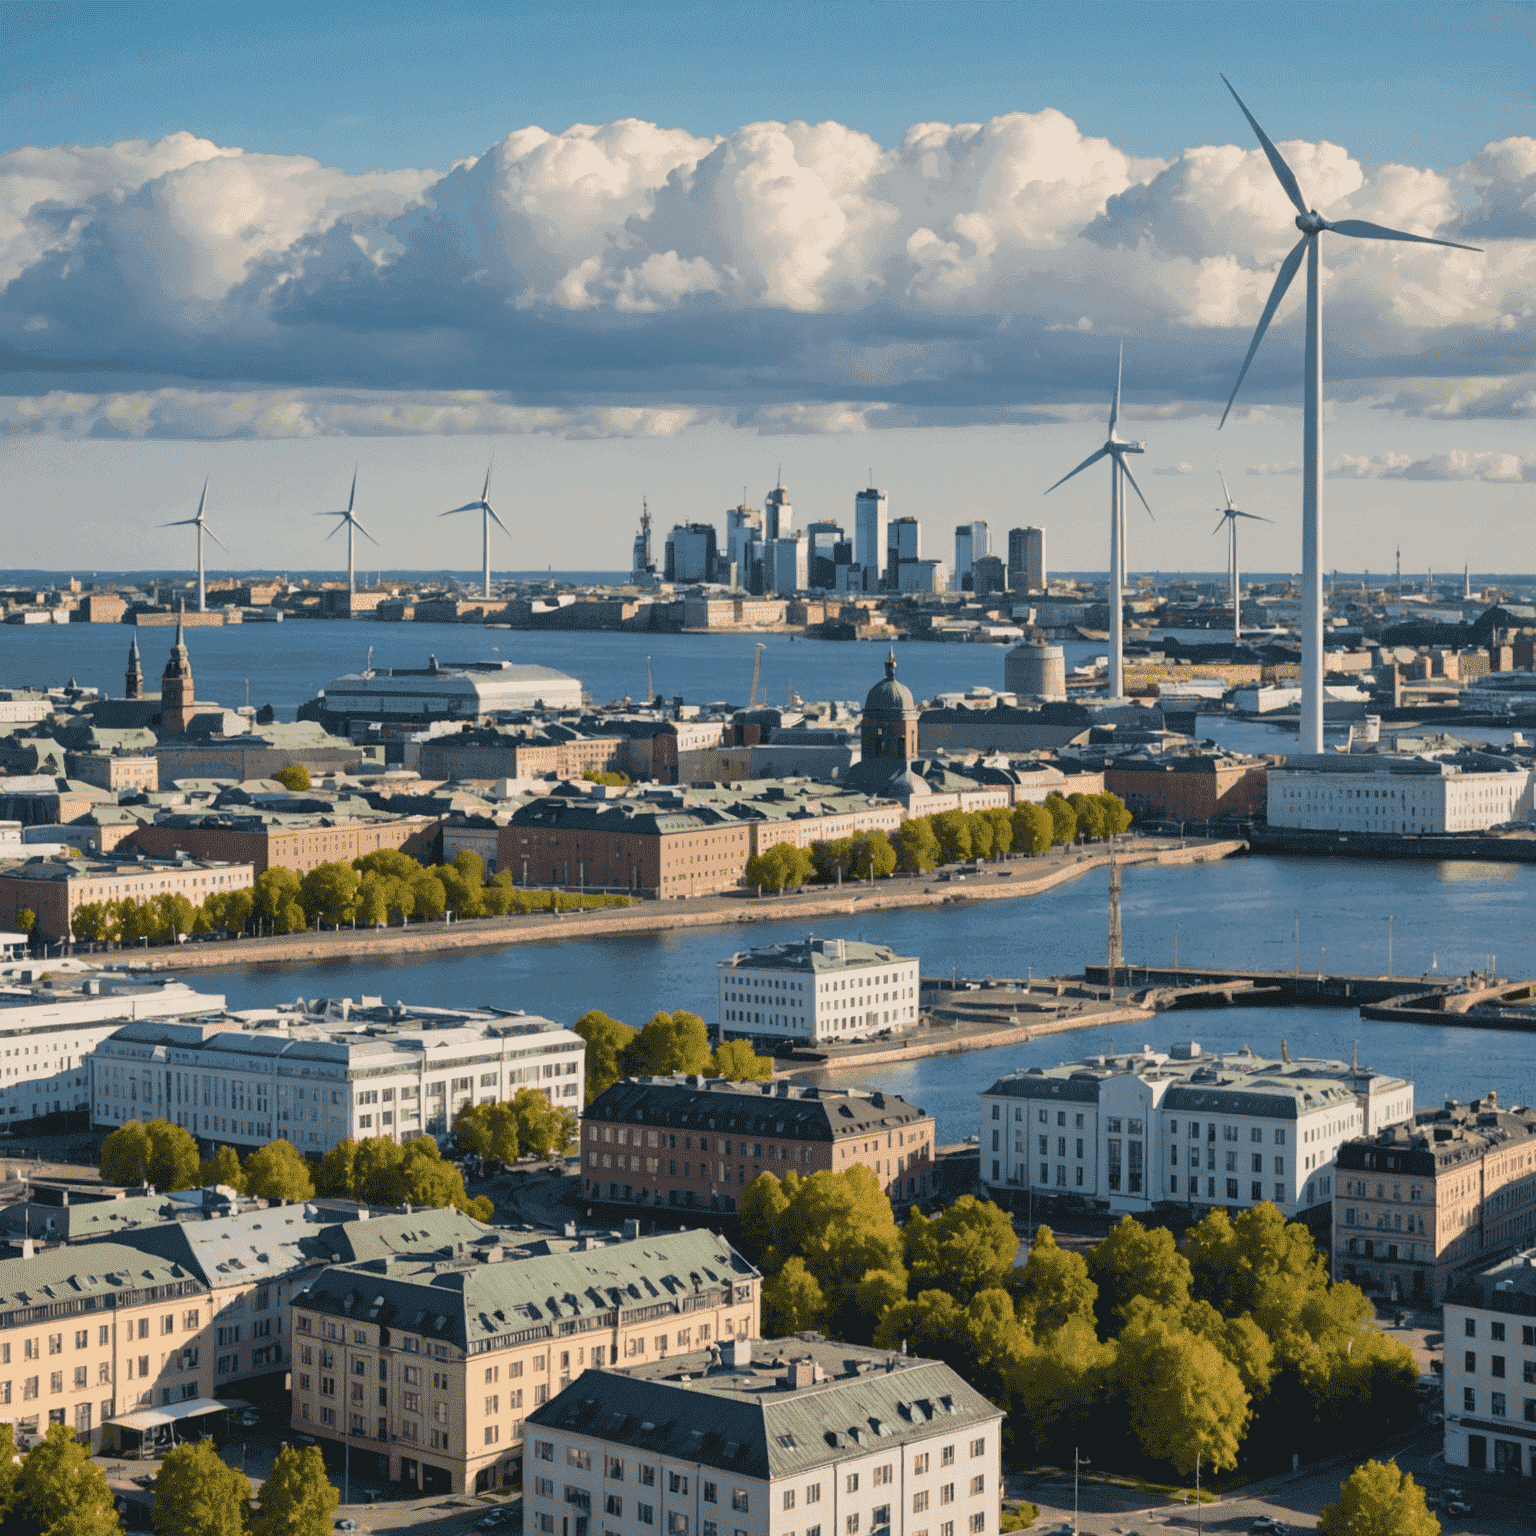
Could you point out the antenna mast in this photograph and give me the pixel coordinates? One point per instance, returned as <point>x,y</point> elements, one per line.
<point>1116,939</point>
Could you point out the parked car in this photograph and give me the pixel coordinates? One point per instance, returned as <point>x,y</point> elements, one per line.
<point>1269,1523</point>
<point>346,1525</point>
<point>249,1419</point>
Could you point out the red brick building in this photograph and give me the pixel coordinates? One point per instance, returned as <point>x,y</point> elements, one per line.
<point>695,1143</point>
<point>296,842</point>
<point>1190,788</point>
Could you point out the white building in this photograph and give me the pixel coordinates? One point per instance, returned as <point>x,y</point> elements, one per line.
<point>47,1033</point>
<point>789,559</point>
<point>461,691</point>
<point>1339,792</point>
<point>1128,1133</point>
<point>1490,1369</point>
<point>970,545</point>
<point>314,1080</point>
<point>869,515</point>
<point>818,989</point>
<point>778,515</point>
<point>787,1437</point>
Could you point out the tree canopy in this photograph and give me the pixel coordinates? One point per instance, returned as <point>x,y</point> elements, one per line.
<point>297,1499</point>
<point>1378,1499</point>
<point>736,1061</point>
<point>670,1042</point>
<point>607,1040</point>
<point>158,1153</point>
<point>293,776</point>
<point>60,1491</point>
<point>198,1494</point>
<point>278,1171</point>
<point>780,867</point>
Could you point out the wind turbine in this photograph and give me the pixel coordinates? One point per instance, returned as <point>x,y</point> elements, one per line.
<point>487,517</point>
<point>1311,224</point>
<point>1230,517</point>
<point>351,524</point>
<point>1115,451</point>
<point>201,524</point>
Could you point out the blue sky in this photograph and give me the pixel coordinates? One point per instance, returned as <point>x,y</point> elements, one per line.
<point>278,271</point>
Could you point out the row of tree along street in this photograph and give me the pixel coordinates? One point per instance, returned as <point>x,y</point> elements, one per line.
<point>670,1042</point>
<point>951,837</point>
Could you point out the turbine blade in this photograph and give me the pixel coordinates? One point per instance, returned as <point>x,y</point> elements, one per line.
<point>202,500</point>
<point>216,539</point>
<point>469,506</point>
<point>1283,172</point>
<point>329,514</point>
<point>1224,491</point>
<point>1120,458</point>
<point>1361,229</point>
<point>1093,458</point>
<point>491,513</point>
<point>353,497</point>
<point>1217,528</point>
<point>1114,409</point>
<point>186,522</point>
<point>1288,270</point>
<point>363,531</point>
<point>1252,516</point>
<point>488,468</point>
<point>332,534</point>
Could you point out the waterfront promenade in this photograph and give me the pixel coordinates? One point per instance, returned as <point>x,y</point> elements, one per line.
<point>1009,879</point>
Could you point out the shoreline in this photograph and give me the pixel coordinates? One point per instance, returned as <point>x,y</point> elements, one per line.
<point>1000,883</point>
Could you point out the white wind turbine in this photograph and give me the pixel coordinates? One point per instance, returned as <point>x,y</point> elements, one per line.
<point>1115,451</point>
<point>1230,516</point>
<point>350,523</point>
<point>487,517</point>
<point>1311,224</point>
<point>201,524</point>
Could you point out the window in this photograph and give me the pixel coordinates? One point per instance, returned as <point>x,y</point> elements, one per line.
<point>578,1458</point>
<point>613,1468</point>
<point>1470,1327</point>
<point>1496,1404</point>
<point>677,1524</point>
<point>83,1337</point>
<point>789,1498</point>
<point>812,1494</point>
<point>1496,1332</point>
<point>851,1525</point>
<point>1498,1365</point>
<point>947,1456</point>
<point>920,1465</point>
<point>645,1514</point>
<point>851,1483</point>
<point>677,1483</point>
<point>647,1476</point>
<point>919,1501</point>
<point>712,1496</point>
<point>979,1484</point>
<point>880,1517</point>
<point>1468,1400</point>
<point>1470,1363</point>
<point>492,1433</point>
<point>739,1500</point>
<point>883,1475</point>
<point>543,1450</point>
<point>978,1448</point>
<point>947,1494</point>
<point>614,1505</point>
<point>979,1522</point>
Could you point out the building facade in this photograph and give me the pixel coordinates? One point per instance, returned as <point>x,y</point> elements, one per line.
<point>870,509</point>
<point>298,841</point>
<point>695,1143</point>
<point>1490,1369</point>
<point>1367,793</point>
<point>818,989</point>
<point>1421,1206</point>
<point>792,1437</point>
<point>1190,1128</point>
<point>1026,559</point>
<point>363,1072</point>
<point>430,1367</point>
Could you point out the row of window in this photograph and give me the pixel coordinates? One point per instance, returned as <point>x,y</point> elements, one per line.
<point>1496,1365</point>
<point>1496,1331</point>
<point>1498,1404</point>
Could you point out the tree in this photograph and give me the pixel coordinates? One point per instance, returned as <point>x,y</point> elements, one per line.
<point>780,867</point>
<point>969,1248</point>
<point>1259,1263</point>
<point>371,906</point>
<point>737,1062</point>
<point>542,1127</point>
<point>298,1499</point>
<point>61,1492</point>
<point>1001,821</point>
<point>222,1168</point>
<point>953,830</point>
<point>793,1301</point>
<point>328,892</point>
<point>198,1494</point>
<point>26,920</point>
<point>277,1171</point>
<point>429,897</point>
<point>462,884</point>
<point>602,776</point>
<point>336,1173</point>
<point>1063,820</point>
<point>833,858</point>
<point>873,856</point>
<point>177,915</point>
<point>95,922</point>
<point>1033,829</point>
<point>1378,1499</point>
<point>158,1153</point>
<point>1137,1261</point>
<point>1116,817</point>
<point>389,862</point>
<point>917,847</point>
<point>763,1203</point>
<point>293,777</point>
<point>125,1154</point>
<point>276,889</point>
<point>10,1468</point>
<point>1053,1288</point>
<point>607,1040</point>
<point>671,1042</point>
<point>980,830</point>
<point>1091,822</point>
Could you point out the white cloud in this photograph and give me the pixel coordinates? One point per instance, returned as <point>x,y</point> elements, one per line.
<point>1458,464</point>
<point>1183,467</point>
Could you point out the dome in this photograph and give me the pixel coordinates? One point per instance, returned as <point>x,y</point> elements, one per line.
<point>890,700</point>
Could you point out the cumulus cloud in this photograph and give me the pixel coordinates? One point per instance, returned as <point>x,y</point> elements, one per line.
<point>797,276</point>
<point>1183,467</point>
<point>1458,464</point>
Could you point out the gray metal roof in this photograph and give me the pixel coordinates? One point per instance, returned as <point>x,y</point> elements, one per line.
<point>750,1420</point>
<point>58,1277</point>
<point>752,1109</point>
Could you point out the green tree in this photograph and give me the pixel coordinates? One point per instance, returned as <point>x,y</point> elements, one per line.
<point>336,1173</point>
<point>969,1248</point>
<point>298,1499</point>
<point>1378,1499</point>
<point>10,1469</point>
<point>670,1042</point>
<point>1001,821</point>
<point>1033,829</point>
<point>389,862</point>
<point>1053,1287</point>
<point>293,777</point>
<point>222,1168</point>
<point>277,1171</point>
<point>953,830</point>
<point>737,1062</point>
<point>782,866</point>
<point>793,1301</point>
<point>198,1494</point>
<point>1116,817</point>
<point>543,1128</point>
<point>429,898</point>
<point>61,1492</point>
<point>980,830</point>
<point>1137,1261</point>
<point>607,1040</point>
<point>1091,822</point>
<point>602,776</point>
<point>125,1154</point>
<point>276,889</point>
<point>328,892</point>
<point>873,856</point>
<point>371,906</point>
<point>1259,1264</point>
<point>461,887</point>
<point>159,1153</point>
<point>177,915</point>
<point>1063,820</point>
<point>833,859</point>
<point>917,847</point>
<point>472,1129</point>
<point>95,922</point>
<point>763,1203</point>
<point>26,920</point>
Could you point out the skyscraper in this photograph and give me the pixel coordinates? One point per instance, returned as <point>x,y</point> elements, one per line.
<point>787,558</point>
<point>743,528</point>
<point>903,544</point>
<point>869,512</point>
<point>822,541</point>
<point>1026,559</point>
<point>780,515</point>
<point>970,546</point>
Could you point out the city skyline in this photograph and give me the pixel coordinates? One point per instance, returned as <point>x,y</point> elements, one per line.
<point>629,308</point>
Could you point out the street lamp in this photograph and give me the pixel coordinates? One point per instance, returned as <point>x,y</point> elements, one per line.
<point>1077,1462</point>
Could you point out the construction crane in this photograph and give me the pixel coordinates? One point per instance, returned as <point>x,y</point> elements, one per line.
<point>757,668</point>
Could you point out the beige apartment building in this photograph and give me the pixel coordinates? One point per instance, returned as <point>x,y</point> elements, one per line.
<point>1424,1205</point>
<point>429,1366</point>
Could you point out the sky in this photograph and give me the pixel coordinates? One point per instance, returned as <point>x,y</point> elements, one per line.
<point>677,250</point>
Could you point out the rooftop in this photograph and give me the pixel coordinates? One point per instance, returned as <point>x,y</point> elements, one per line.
<point>815,955</point>
<point>1507,1287</point>
<point>769,1109</point>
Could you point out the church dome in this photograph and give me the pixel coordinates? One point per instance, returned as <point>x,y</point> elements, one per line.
<point>890,700</point>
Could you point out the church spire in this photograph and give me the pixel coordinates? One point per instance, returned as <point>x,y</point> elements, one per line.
<point>135,673</point>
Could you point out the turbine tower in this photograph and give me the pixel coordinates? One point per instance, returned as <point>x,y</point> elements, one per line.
<point>201,524</point>
<point>487,517</point>
<point>1230,517</point>
<point>1311,224</point>
<point>1115,451</point>
<point>351,524</point>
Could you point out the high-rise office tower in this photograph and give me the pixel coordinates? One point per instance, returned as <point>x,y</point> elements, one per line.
<point>787,559</point>
<point>780,516</point>
<point>970,546</point>
<point>691,552</point>
<point>743,524</point>
<point>903,544</point>
<point>1026,559</point>
<point>822,540</point>
<point>869,511</point>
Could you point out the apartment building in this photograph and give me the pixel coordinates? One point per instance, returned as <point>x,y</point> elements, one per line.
<point>314,1080</point>
<point>48,1031</point>
<point>1423,1205</point>
<point>268,839</point>
<point>1490,1369</point>
<point>430,1368</point>
<point>487,754</point>
<point>695,1143</point>
<point>817,989</point>
<point>790,1437</point>
<point>55,888</point>
<point>1185,1127</point>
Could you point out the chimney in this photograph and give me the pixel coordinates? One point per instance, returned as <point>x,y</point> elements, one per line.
<point>26,1247</point>
<point>570,1229</point>
<point>632,1229</point>
<point>738,1353</point>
